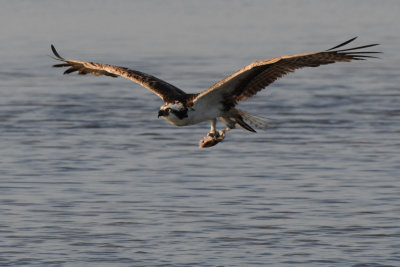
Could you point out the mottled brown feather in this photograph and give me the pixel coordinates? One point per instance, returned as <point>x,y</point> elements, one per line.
<point>237,87</point>
<point>254,77</point>
<point>166,91</point>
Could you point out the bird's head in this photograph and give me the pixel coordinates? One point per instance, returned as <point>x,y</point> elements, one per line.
<point>173,112</point>
<point>164,112</point>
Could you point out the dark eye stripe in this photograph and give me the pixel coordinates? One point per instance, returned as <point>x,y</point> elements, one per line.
<point>180,113</point>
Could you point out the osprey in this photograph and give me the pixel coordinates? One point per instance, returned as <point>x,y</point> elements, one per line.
<point>219,101</point>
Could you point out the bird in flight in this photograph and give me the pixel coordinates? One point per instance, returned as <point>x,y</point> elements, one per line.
<point>219,101</point>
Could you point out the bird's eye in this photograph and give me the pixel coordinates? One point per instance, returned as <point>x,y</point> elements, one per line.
<point>169,110</point>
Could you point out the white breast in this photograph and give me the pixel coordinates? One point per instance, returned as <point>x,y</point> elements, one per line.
<point>202,112</point>
<point>196,114</point>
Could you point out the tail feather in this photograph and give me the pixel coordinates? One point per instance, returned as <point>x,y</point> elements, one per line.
<point>239,120</point>
<point>256,121</point>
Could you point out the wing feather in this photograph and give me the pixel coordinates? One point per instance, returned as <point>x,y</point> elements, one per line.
<point>254,77</point>
<point>166,91</point>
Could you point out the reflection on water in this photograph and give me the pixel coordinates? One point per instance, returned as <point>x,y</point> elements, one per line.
<point>89,175</point>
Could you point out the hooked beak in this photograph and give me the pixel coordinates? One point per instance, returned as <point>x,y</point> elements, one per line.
<point>162,113</point>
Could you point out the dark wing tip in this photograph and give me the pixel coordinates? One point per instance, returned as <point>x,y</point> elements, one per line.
<point>55,52</point>
<point>357,48</point>
<point>61,65</point>
<point>343,44</point>
<point>353,53</point>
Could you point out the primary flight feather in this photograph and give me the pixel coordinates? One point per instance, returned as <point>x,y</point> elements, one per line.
<point>219,101</point>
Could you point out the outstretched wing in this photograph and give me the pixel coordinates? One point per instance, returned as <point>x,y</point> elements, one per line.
<point>166,91</point>
<point>254,77</point>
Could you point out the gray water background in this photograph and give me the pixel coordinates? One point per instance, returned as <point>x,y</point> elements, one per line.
<point>90,177</point>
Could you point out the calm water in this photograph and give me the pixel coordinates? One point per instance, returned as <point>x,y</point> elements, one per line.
<point>90,177</point>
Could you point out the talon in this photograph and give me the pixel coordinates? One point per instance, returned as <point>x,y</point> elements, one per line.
<point>217,135</point>
<point>212,134</point>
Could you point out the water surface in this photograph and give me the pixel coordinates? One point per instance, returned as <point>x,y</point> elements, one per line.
<point>90,176</point>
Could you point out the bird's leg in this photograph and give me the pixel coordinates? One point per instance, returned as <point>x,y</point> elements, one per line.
<point>213,132</point>
<point>220,135</point>
<point>217,135</point>
<point>223,132</point>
